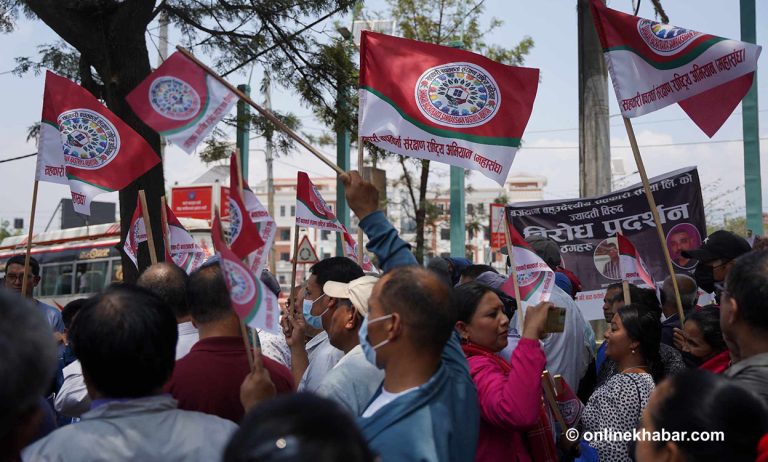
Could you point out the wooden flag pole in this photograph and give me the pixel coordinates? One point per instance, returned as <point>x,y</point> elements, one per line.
<point>511,255</point>
<point>24,278</point>
<point>360,169</point>
<point>624,282</point>
<point>166,228</point>
<point>655,213</point>
<point>295,261</point>
<point>238,168</point>
<point>148,227</point>
<point>549,394</point>
<point>271,117</point>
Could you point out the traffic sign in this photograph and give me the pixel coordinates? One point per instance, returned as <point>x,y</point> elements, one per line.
<point>306,253</point>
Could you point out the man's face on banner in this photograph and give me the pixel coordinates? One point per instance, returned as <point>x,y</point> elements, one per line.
<point>678,242</point>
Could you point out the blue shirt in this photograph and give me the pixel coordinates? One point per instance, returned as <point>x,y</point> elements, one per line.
<point>52,315</point>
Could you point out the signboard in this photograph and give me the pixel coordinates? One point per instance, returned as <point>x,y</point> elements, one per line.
<point>306,253</point>
<point>192,202</point>
<point>586,228</point>
<point>498,237</point>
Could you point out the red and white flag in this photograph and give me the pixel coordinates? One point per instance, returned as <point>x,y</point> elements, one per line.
<point>351,251</point>
<point>253,302</point>
<point>137,233</point>
<point>535,278</point>
<point>438,103</point>
<point>181,101</point>
<point>242,234</point>
<point>631,265</point>
<point>85,145</point>
<point>311,209</point>
<point>184,250</point>
<point>653,65</point>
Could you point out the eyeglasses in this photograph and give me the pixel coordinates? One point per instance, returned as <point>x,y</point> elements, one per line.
<point>19,277</point>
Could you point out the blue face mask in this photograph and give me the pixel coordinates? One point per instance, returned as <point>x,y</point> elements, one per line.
<point>370,351</point>
<point>312,320</point>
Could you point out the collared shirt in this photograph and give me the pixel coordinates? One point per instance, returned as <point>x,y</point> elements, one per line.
<point>322,357</point>
<point>188,336</point>
<point>148,428</point>
<point>752,374</point>
<point>352,382</point>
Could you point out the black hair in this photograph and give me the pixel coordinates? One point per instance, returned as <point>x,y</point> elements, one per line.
<point>747,284</point>
<point>19,260</point>
<point>640,296</point>
<point>295,428</point>
<point>708,320</point>
<point>125,339</point>
<point>614,286</point>
<point>70,310</point>
<point>473,271</point>
<point>169,282</point>
<point>337,269</point>
<point>208,295</point>
<point>468,296</point>
<point>700,401</point>
<point>428,306</point>
<point>643,325</point>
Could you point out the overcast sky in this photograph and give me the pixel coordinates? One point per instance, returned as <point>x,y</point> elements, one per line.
<point>668,139</point>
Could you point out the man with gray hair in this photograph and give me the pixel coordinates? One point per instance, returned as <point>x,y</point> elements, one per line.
<point>27,365</point>
<point>670,319</point>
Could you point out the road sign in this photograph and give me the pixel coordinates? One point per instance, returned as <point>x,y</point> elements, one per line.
<point>306,253</point>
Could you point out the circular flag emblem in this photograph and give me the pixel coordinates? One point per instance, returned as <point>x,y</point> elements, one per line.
<point>319,203</point>
<point>665,39</point>
<point>174,98</point>
<point>235,222</point>
<point>526,278</point>
<point>241,289</point>
<point>458,95</point>
<point>90,141</point>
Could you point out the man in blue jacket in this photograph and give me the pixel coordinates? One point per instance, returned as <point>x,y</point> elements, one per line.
<point>426,409</point>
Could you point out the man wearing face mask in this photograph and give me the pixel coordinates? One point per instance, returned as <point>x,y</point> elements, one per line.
<point>354,380</point>
<point>312,361</point>
<point>716,258</point>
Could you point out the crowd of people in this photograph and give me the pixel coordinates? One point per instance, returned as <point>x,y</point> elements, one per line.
<point>413,364</point>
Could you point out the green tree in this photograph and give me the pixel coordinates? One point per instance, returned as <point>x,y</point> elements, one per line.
<point>109,55</point>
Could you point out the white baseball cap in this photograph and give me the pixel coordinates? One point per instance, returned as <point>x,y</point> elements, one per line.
<point>357,291</point>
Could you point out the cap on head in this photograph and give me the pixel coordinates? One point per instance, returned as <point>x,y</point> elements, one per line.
<point>357,291</point>
<point>720,245</point>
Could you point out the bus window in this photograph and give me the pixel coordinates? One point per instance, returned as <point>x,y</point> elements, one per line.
<point>117,270</point>
<point>91,276</point>
<point>56,280</point>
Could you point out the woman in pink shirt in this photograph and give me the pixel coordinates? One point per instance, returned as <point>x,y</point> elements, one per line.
<point>509,393</point>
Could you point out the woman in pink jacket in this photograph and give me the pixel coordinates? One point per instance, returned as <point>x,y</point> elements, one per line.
<point>509,393</point>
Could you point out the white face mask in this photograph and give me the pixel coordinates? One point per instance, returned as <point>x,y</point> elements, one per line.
<point>370,351</point>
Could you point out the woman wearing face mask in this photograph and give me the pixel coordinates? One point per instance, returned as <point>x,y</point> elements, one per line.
<point>698,401</point>
<point>633,343</point>
<point>509,393</point>
<point>701,340</point>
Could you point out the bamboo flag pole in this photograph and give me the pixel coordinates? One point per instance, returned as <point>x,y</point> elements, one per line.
<point>624,282</point>
<point>655,213</point>
<point>24,278</point>
<point>295,261</point>
<point>271,117</point>
<point>360,250</point>
<point>549,394</point>
<point>511,255</point>
<point>166,229</point>
<point>239,169</point>
<point>147,227</point>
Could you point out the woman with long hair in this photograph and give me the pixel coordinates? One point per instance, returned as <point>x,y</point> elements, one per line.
<point>509,393</point>
<point>633,344</point>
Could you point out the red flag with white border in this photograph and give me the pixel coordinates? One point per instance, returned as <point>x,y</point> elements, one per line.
<point>535,278</point>
<point>631,265</point>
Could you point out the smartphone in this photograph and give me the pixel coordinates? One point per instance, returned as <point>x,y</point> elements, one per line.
<point>555,319</point>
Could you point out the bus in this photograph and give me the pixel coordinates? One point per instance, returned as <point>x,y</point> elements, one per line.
<point>79,262</point>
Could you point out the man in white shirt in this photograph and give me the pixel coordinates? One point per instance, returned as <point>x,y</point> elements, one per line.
<point>353,381</point>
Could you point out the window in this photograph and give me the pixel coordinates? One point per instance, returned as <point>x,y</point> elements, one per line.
<point>90,277</point>
<point>282,210</point>
<point>325,235</point>
<point>325,255</point>
<point>285,256</point>
<point>56,280</point>
<point>445,234</point>
<point>285,234</point>
<point>293,210</point>
<point>480,207</point>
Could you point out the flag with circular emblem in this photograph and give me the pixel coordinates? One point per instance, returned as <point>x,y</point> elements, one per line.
<point>181,101</point>
<point>253,302</point>
<point>87,146</point>
<point>444,104</point>
<point>653,65</point>
<point>182,249</point>
<point>311,209</point>
<point>535,278</point>
<point>137,233</point>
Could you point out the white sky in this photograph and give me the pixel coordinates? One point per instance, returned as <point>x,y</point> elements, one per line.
<point>549,141</point>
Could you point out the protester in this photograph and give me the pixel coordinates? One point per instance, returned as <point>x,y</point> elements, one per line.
<point>208,379</point>
<point>27,365</point>
<point>449,269</point>
<point>169,282</point>
<point>273,345</point>
<point>125,339</point>
<point>14,275</point>
<point>701,340</point>
<point>698,401</point>
<point>744,320</point>
<point>611,293</point>
<point>549,250</point>
<point>298,427</point>
<point>508,392</point>
<point>353,380</point>
<point>716,258</point>
<point>312,361</point>
<point>427,407</point>
<point>670,318</point>
<point>70,387</point>
<point>471,272</point>
<point>633,344</point>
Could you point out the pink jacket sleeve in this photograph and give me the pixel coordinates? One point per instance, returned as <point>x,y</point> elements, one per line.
<point>510,401</point>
